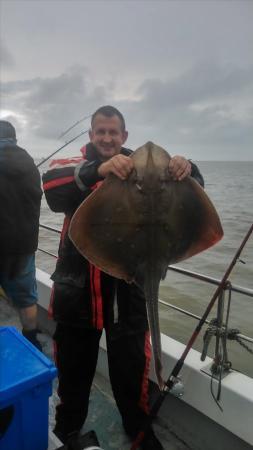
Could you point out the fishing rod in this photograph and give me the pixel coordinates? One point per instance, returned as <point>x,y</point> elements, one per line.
<point>74,125</point>
<point>179,364</point>
<point>65,145</point>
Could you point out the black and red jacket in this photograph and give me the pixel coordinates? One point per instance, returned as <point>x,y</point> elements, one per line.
<point>82,294</point>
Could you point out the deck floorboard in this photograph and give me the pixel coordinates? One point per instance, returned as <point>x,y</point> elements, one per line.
<point>103,415</point>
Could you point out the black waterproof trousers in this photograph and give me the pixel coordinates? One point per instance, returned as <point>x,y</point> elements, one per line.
<point>76,359</point>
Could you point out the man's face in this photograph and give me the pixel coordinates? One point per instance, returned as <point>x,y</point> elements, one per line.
<point>107,135</point>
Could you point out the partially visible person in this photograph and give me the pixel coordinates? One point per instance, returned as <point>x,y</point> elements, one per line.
<point>20,198</point>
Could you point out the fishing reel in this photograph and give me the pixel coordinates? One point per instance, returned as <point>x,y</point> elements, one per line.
<point>174,386</point>
<point>88,441</point>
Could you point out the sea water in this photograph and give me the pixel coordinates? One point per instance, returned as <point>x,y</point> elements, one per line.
<point>230,187</point>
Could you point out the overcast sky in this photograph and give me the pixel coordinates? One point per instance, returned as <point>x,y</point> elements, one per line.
<point>180,71</point>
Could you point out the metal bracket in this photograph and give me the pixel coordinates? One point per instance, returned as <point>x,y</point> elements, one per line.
<point>177,388</point>
<point>220,366</point>
<point>209,370</point>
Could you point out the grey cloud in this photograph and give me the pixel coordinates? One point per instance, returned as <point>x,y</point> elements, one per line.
<point>203,82</point>
<point>195,110</point>
<point>7,60</point>
<point>198,107</point>
<point>52,104</point>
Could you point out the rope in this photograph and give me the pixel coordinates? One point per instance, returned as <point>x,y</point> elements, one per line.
<point>245,346</point>
<point>233,336</point>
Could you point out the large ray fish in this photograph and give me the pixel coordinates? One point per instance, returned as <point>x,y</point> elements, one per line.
<point>134,229</point>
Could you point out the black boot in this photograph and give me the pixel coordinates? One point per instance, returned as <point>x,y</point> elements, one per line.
<point>151,442</point>
<point>64,436</point>
<point>31,335</point>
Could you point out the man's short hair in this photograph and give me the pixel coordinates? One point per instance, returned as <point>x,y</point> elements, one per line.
<point>109,111</point>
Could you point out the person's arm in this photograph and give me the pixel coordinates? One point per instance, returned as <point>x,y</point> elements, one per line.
<point>195,173</point>
<point>68,182</point>
<point>181,167</point>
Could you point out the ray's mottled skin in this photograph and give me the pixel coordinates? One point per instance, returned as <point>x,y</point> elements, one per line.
<point>133,229</point>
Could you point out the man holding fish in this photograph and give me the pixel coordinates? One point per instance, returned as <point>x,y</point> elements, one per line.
<point>86,300</point>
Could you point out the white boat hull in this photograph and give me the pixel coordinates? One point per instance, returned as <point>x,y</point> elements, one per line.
<point>194,417</point>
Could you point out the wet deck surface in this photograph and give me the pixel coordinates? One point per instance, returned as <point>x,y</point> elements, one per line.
<point>103,416</point>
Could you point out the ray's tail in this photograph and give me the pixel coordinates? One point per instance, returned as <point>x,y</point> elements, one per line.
<point>151,288</point>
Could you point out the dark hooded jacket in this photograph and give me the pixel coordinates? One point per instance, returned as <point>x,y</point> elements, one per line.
<point>20,198</point>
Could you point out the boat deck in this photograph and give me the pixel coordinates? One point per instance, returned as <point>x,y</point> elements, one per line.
<point>103,416</point>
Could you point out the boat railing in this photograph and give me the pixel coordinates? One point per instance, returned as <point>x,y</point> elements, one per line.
<point>187,273</point>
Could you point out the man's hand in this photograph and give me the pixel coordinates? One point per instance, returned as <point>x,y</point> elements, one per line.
<point>120,165</point>
<point>179,168</point>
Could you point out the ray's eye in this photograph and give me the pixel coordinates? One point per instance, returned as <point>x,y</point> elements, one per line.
<point>137,180</point>
<point>138,185</point>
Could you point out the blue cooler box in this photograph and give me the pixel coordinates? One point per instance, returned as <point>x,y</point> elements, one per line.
<point>25,385</point>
